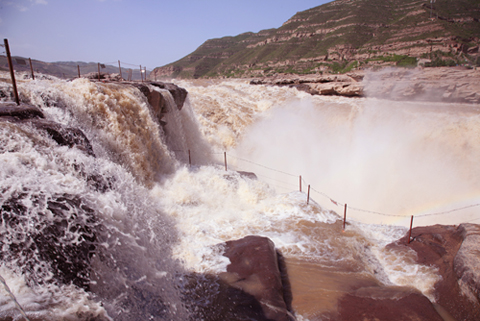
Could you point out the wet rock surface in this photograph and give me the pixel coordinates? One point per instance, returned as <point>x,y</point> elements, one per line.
<point>454,251</point>
<point>179,94</point>
<point>12,111</point>
<point>65,136</point>
<point>254,269</point>
<point>407,307</point>
<point>254,287</point>
<point>47,236</point>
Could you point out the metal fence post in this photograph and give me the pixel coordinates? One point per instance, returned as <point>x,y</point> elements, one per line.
<point>12,73</point>
<point>410,233</point>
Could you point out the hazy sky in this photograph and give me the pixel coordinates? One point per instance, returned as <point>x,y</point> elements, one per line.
<point>147,32</point>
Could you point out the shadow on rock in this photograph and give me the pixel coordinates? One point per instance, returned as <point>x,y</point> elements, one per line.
<point>254,287</point>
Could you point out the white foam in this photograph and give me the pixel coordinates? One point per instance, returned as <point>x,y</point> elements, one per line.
<point>51,302</point>
<point>352,150</point>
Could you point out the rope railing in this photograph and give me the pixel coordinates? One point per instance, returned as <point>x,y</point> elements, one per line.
<point>302,181</point>
<point>128,73</point>
<point>276,170</point>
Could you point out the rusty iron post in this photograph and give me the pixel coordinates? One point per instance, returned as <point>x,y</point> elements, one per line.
<point>31,68</point>
<point>189,158</point>
<point>308,195</point>
<point>78,67</point>
<point>410,233</point>
<point>12,73</point>
<point>344,217</point>
<point>300,182</point>
<point>225,157</point>
<point>98,71</point>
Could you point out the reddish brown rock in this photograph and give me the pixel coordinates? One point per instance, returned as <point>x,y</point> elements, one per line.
<point>254,270</point>
<point>396,305</point>
<point>254,287</point>
<point>179,94</point>
<point>454,251</point>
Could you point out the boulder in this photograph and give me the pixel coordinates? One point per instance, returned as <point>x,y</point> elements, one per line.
<point>179,94</point>
<point>254,287</point>
<point>454,251</point>
<point>254,269</point>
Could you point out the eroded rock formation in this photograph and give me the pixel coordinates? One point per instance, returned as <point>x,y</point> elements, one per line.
<point>454,251</point>
<point>445,84</point>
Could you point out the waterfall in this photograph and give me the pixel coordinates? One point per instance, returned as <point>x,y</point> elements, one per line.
<point>123,217</point>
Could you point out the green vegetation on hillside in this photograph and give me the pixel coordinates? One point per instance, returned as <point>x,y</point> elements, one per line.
<point>341,36</point>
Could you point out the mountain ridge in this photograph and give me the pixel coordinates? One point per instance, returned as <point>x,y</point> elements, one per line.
<point>65,69</point>
<point>340,36</point>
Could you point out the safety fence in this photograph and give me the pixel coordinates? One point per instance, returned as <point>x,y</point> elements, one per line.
<point>126,70</point>
<point>302,183</point>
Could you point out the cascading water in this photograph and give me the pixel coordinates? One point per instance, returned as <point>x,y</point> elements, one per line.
<point>387,160</point>
<point>83,221</point>
<point>404,158</point>
<point>112,235</point>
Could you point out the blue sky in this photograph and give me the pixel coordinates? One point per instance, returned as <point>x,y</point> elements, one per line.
<point>147,32</point>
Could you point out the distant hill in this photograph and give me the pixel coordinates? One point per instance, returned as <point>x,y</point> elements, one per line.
<point>343,35</point>
<point>64,69</point>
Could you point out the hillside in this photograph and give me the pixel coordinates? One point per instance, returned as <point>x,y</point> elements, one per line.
<point>64,69</point>
<point>343,35</point>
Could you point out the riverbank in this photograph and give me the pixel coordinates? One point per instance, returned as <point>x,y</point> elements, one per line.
<point>444,84</point>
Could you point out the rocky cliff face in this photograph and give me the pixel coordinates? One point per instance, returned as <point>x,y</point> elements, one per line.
<point>443,84</point>
<point>341,36</point>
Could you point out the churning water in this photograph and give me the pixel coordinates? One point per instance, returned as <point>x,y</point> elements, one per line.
<point>112,236</point>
